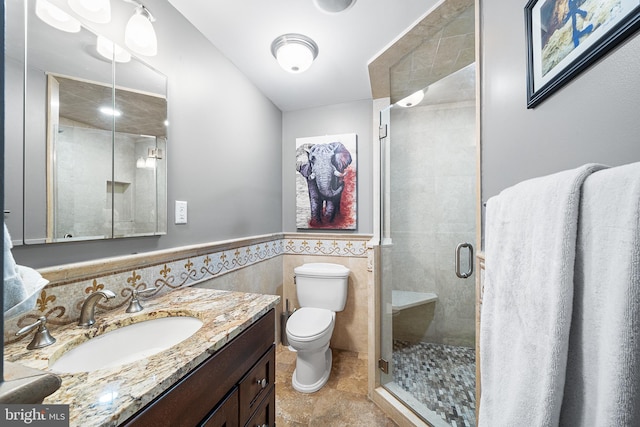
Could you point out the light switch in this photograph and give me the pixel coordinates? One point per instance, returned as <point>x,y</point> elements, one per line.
<point>181,212</point>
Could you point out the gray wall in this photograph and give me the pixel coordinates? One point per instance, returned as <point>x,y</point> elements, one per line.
<point>224,148</point>
<point>595,118</point>
<point>351,117</point>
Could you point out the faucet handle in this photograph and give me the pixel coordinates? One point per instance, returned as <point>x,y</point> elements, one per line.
<point>134,305</point>
<point>41,338</point>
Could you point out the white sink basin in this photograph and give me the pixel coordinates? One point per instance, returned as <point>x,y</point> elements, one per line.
<point>127,344</point>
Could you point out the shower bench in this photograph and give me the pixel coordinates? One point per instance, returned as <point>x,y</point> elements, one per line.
<point>401,300</point>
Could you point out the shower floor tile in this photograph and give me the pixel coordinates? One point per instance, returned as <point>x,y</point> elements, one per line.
<point>441,377</point>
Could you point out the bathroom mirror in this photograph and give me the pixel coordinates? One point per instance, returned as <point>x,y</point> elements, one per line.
<point>95,140</point>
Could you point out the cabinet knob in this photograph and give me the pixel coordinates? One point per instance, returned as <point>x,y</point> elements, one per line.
<point>263,382</point>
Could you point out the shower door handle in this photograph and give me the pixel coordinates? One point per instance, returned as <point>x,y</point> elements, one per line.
<point>459,249</point>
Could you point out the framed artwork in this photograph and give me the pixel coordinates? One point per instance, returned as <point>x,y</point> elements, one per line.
<point>326,182</point>
<point>564,37</point>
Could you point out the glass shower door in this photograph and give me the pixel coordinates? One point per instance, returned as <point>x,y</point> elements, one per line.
<point>428,202</point>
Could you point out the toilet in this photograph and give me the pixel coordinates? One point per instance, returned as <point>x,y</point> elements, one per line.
<point>322,291</point>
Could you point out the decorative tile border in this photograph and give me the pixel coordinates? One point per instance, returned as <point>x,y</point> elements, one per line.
<point>62,299</point>
<point>330,247</point>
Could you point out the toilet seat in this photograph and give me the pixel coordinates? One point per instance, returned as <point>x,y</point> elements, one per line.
<point>309,323</point>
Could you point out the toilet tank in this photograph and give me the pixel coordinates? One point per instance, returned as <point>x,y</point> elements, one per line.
<point>322,285</point>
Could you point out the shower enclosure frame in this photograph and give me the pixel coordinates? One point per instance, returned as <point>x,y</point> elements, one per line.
<point>395,408</point>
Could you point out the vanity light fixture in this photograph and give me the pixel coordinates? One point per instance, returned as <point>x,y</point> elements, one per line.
<point>295,52</point>
<point>56,17</point>
<point>333,6</point>
<point>139,34</point>
<point>412,100</point>
<point>98,11</point>
<point>111,51</point>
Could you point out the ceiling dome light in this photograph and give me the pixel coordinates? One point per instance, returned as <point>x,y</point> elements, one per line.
<point>139,34</point>
<point>56,17</point>
<point>294,52</point>
<point>412,100</point>
<point>98,11</point>
<point>111,51</point>
<point>333,6</point>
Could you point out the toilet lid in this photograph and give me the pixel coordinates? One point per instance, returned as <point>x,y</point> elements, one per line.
<point>309,322</point>
<point>322,269</point>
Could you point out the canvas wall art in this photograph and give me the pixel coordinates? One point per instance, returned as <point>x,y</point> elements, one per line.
<point>326,182</point>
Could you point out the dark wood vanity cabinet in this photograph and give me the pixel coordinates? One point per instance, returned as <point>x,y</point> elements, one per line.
<point>232,388</point>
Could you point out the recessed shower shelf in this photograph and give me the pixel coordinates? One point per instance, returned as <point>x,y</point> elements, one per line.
<point>401,300</point>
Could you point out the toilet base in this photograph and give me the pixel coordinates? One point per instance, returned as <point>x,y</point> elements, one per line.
<point>312,370</point>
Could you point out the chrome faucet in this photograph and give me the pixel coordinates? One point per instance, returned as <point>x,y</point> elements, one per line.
<point>87,314</point>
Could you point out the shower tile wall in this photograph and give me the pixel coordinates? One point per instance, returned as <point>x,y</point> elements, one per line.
<point>84,208</point>
<point>433,198</point>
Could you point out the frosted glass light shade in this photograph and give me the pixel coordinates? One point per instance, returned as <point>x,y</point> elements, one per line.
<point>56,17</point>
<point>412,100</point>
<point>140,36</point>
<point>111,51</point>
<point>333,6</point>
<point>98,11</point>
<point>294,52</point>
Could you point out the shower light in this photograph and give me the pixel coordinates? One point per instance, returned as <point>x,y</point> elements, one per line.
<point>139,34</point>
<point>295,52</point>
<point>98,11</point>
<point>412,100</point>
<point>56,17</point>
<point>108,111</point>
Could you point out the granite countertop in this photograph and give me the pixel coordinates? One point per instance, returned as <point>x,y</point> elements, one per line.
<point>107,397</point>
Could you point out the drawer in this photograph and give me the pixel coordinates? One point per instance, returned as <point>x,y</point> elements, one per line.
<point>256,384</point>
<point>226,414</point>
<point>265,415</point>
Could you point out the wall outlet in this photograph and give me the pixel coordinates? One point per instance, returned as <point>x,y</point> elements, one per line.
<point>181,212</point>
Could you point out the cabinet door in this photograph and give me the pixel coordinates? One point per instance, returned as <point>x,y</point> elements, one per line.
<point>265,415</point>
<point>256,384</point>
<point>226,414</point>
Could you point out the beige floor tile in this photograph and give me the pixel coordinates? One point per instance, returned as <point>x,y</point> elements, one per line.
<point>342,402</point>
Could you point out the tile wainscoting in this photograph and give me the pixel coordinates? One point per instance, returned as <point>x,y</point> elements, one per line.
<point>261,264</point>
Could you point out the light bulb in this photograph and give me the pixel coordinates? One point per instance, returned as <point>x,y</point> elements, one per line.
<point>412,100</point>
<point>295,58</point>
<point>98,11</point>
<point>111,51</point>
<point>139,34</point>
<point>110,111</point>
<point>56,17</point>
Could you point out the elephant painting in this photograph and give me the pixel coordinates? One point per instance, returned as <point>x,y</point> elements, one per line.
<point>324,167</point>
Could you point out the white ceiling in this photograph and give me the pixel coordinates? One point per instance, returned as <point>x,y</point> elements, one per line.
<point>244,29</point>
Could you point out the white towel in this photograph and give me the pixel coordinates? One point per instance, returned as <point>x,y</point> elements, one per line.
<point>14,290</point>
<point>603,369</point>
<point>21,284</point>
<point>530,250</point>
